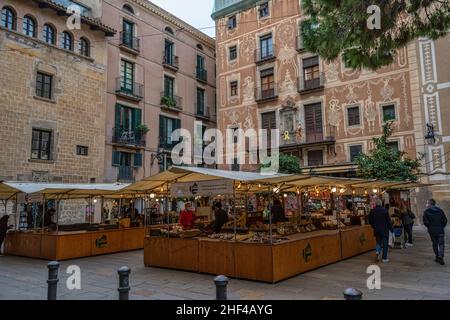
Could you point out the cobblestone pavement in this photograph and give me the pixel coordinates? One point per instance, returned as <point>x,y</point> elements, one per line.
<point>411,274</point>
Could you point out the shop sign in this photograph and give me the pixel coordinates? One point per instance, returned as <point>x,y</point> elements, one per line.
<point>201,188</point>
<point>101,242</point>
<point>362,239</point>
<point>307,253</point>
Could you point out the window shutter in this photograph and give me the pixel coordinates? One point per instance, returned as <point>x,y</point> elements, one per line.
<point>137,117</point>
<point>162,130</point>
<point>118,110</point>
<point>138,159</point>
<point>310,62</point>
<point>116,158</point>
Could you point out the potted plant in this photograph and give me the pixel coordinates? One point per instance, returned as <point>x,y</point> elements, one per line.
<point>142,129</point>
<point>168,101</point>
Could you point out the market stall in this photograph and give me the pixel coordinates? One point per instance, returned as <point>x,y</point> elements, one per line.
<point>37,235</point>
<point>326,221</point>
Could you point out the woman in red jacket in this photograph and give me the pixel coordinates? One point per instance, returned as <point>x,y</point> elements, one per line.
<point>187,216</point>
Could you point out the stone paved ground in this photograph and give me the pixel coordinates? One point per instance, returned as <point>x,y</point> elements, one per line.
<point>411,274</point>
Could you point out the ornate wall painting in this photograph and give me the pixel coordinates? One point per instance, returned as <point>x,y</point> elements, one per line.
<point>370,114</point>
<point>331,71</point>
<point>402,57</point>
<point>334,114</point>
<point>247,47</point>
<point>437,161</point>
<point>248,90</point>
<point>387,91</point>
<point>223,92</point>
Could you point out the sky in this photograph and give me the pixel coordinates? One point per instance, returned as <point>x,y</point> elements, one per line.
<point>195,12</point>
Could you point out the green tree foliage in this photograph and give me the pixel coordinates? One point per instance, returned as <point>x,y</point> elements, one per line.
<point>335,28</point>
<point>385,163</point>
<point>287,164</point>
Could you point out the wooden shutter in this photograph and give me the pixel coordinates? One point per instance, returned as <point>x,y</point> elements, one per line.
<point>162,130</point>
<point>118,112</point>
<point>315,158</point>
<point>268,120</point>
<point>138,159</point>
<point>313,123</point>
<point>136,117</point>
<point>116,158</point>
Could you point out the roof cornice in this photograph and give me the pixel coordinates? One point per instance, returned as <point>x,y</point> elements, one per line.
<point>238,6</point>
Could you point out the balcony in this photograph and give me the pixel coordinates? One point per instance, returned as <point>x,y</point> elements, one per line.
<point>204,113</point>
<point>318,137</point>
<point>129,43</point>
<point>265,55</point>
<point>202,75</point>
<point>125,174</point>
<point>309,139</point>
<point>133,91</point>
<point>263,95</point>
<point>128,138</point>
<point>307,86</point>
<point>171,102</point>
<point>170,62</point>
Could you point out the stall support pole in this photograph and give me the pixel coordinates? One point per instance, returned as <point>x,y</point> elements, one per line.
<point>234,211</point>
<point>270,215</point>
<point>43,216</point>
<point>17,212</point>
<point>57,216</point>
<point>102,221</point>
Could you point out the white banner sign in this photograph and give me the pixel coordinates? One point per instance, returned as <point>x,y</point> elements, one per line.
<point>201,188</point>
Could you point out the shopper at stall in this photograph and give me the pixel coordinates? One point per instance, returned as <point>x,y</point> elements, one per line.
<point>220,217</point>
<point>408,222</point>
<point>436,221</point>
<point>3,229</point>
<point>48,218</point>
<point>277,212</point>
<point>187,216</point>
<point>381,223</point>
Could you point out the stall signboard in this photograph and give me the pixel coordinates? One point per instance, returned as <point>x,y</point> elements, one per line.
<point>201,188</point>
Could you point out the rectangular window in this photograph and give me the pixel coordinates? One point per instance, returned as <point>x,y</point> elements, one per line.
<point>234,88</point>
<point>168,87</point>
<point>168,52</point>
<point>233,53</point>
<point>389,113</point>
<point>82,151</point>
<point>269,122</point>
<point>353,116</point>
<point>313,123</point>
<point>311,68</point>
<point>40,144</point>
<point>44,85</point>
<point>166,127</point>
<point>266,46</point>
<point>235,166</point>
<point>393,145</point>
<point>355,151</point>
<point>126,121</point>
<point>200,101</point>
<point>127,33</point>
<point>315,158</point>
<point>127,76</point>
<point>267,83</point>
<point>264,10</point>
<point>232,22</point>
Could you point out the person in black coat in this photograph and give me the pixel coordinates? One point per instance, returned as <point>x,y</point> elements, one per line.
<point>381,223</point>
<point>221,217</point>
<point>277,212</point>
<point>436,221</point>
<point>3,228</point>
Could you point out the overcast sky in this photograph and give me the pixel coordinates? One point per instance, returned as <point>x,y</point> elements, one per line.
<point>195,12</point>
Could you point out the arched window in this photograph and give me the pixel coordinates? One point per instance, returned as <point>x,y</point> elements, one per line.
<point>200,47</point>
<point>49,34</point>
<point>128,8</point>
<point>85,48</point>
<point>8,19</point>
<point>67,41</point>
<point>29,26</point>
<point>169,30</point>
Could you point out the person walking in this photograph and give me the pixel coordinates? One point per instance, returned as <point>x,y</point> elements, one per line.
<point>408,222</point>
<point>436,221</point>
<point>381,223</point>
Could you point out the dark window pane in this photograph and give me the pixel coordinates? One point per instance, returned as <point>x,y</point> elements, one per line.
<point>49,34</point>
<point>67,42</point>
<point>44,85</point>
<point>233,53</point>
<point>353,116</point>
<point>315,158</point>
<point>40,144</point>
<point>388,113</point>
<point>29,26</point>
<point>355,151</point>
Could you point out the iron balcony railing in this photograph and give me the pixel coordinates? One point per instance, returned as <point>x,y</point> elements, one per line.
<point>321,136</point>
<point>170,61</point>
<point>171,101</point>
<point>128,137</point>
<point>202,74</point>
<point>263,94</point>
<point>204,112</point>
<point>129,89</point>
<point>311,84</point>
<point>265,54</point>
<point>129,41</point>
<point>125,174</point>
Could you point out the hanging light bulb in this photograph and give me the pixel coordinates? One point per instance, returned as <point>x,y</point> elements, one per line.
<point>342,190</point>
<point>161,189</point>
<point>95,200</point>
<point>259,185</point>
<point>375,191</point>
<point>365,192</point>
<point>285,195</point>
<point>333,190</point>
<point>298,191</point>
<point>353,191</point>
<point>152,195</point>
<point>239,185</point>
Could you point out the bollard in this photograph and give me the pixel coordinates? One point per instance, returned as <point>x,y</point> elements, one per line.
<point>221,287</point>
<point>352,294</point>
<point>52,281</point>
<point>124,283</point>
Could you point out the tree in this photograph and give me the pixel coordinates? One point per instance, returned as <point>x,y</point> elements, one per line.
<point>287,164</point>
<point>386,163</point>
<point>349,28</point>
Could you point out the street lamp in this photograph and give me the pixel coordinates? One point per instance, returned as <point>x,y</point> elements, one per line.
<point>161,156</point>
<point>430,137</point>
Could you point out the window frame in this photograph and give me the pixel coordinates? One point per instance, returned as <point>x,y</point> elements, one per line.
<point>266,46</point>
<point>127,75</point>
<point>352,158</point>
<point>230,50</point>
<point>40,142</point>
<point>232,22</point>
<point>234,86</point>
<point>65,36</point>
<point>8,22</point>
<point>264,6</point>
<point>383,114</point>
<point>79,150</point>
<point>29,24</point>
<point>169,91</point>
<point>40,91</point>
<point>45,34</point>
<point>87,48</point>
<point>348,116</point>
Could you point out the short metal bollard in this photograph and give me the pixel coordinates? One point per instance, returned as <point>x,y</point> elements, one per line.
<point>52,281</point>
<point>124,283</point>
<point>221,287</point>
<point>352,294</point>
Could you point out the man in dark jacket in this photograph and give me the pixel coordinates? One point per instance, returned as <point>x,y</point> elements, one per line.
<point>435,221</point>
<point>381,223</point>
<point>277,212</point>
<point>3,228</point>
<point>221,217</point>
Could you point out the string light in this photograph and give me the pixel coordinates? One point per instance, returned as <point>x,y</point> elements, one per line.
<point>239,185</point>
<point>333,190</point>
<point>152,195</point>
<point>285,195</point>
<point>342,190</point>
<point>375,190</point>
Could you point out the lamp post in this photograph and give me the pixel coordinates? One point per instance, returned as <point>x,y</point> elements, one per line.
<point>430,137</point>
<point>161,156</point>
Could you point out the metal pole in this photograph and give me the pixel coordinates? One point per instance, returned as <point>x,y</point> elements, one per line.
<point>124,283</point>
<point>352,294</point>
<point>234,211</point>
<point>57,216</point>
<point>43,216</point>
<point>52,281</point>
<point>270,215</point>
<point>221,283</point>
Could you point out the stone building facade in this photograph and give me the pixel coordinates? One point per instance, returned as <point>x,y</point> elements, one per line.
<point>52,92</point>
<point>161,74</point>
<point>326,113</point>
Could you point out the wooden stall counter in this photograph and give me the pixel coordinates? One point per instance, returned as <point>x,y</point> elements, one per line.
<point>356,240</point>
<point>71,245</point>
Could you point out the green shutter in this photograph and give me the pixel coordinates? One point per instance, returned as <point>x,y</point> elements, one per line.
<point>162,130</point>
<point>118,120</point>
<point>138,159</point>
<point>136,117</point>
<point>177,124</point>
<point>116,158</point>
